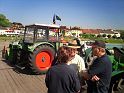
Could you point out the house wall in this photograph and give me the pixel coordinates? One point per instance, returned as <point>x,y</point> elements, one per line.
<point>91,31</point>
<point>9,32</point>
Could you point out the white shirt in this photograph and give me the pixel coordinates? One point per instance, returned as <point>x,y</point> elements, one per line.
<point>79,61</point>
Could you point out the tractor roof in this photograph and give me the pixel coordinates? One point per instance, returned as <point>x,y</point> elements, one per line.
<point>44,25</point>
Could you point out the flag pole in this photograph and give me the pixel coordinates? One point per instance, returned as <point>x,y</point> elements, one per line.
<point>54,19</point>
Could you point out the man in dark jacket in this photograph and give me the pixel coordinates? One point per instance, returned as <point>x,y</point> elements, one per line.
<point>99,74</point>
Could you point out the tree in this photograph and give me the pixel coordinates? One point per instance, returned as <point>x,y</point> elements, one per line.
<point>104,35</point>
<point>73,34</point>
<point>122,34</point>
<point>16,25</point>
<point>4,22</point>
<point>109,36</point>
<point>80,35</point>
<point>91,35</point>
<point>98,35</point>
<point>114,36</point>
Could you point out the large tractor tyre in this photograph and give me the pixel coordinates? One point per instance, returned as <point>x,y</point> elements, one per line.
<point>13,59</point>
<point>19,57</point>
<point>41,59</point>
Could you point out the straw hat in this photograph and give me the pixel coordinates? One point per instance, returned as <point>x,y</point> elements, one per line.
<point>73,44</point>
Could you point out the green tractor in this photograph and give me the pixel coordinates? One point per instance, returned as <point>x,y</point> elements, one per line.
<point>38,48</point>
<point>117,60</point>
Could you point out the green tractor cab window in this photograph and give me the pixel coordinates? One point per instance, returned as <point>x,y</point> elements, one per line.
<point>41,32</point>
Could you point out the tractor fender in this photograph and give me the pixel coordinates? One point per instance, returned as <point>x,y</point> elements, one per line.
<point>31,48</point>
<point>116,73</point>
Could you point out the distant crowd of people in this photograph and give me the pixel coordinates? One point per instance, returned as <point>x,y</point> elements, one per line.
<point>70,73</point>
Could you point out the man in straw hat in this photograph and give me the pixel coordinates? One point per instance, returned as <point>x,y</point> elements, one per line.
<point>76,62</point>
<point>76,59</point>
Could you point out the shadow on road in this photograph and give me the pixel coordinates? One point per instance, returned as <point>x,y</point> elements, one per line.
<point>17,69</point>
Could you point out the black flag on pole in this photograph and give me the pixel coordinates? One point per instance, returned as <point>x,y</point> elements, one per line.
<point>56,17</point>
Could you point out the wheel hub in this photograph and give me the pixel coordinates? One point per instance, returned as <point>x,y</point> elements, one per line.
<point>43,60</point>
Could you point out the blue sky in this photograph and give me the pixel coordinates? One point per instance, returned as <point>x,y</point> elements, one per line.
<point>105,14</point>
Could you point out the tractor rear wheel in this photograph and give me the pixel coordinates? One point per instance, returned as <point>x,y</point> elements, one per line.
<point>41,59</point>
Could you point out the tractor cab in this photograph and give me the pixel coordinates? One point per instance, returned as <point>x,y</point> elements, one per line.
<point>41,32</point>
